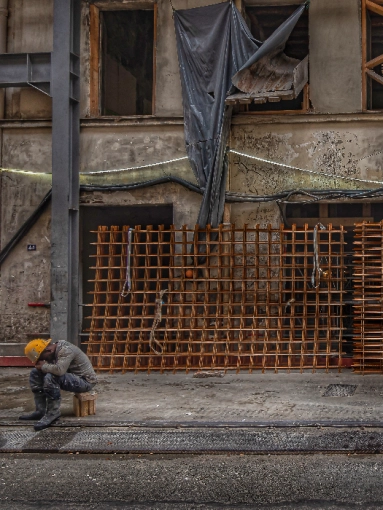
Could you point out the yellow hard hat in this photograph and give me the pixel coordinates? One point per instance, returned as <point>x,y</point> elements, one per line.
<point>35,347</point>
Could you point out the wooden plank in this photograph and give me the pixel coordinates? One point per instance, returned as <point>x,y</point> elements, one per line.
<point>374,7</point>
<point>122,5</point>
<point>287,97</point>
<point>374,76</point>
<point>245,100</point>
<point>238,4</point>
<point>346,222</point>
<point>364,55</point>
<point>155,15</point>
<point>94,28</point>
<point>374,62</point>
<point>306,98</point>
<point>242,96</point>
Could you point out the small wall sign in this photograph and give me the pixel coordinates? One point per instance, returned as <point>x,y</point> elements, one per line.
<point>31,247</point>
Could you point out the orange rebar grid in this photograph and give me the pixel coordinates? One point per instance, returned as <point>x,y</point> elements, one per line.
<point>368,297</point>
<point>236,298</point>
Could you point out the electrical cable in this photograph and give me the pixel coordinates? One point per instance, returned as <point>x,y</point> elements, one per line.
<point>305,170</point>
<point>283,197</point>
<point>144,184</point>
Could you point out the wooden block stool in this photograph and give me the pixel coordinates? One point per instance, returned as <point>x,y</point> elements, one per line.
<point>84,404</point>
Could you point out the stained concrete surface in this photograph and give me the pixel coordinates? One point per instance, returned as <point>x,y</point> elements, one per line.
<point>173,481</point>
<point>180,397</point>
<point>175,440</point>
<point>106,505</point>
<point>335,81</point>
<point>191,482</point>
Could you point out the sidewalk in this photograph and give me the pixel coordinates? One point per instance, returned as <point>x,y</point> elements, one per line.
<point>236,413</point>
<point>232,399</point>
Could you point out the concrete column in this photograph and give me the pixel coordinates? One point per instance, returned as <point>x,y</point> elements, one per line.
<point>335,56</point>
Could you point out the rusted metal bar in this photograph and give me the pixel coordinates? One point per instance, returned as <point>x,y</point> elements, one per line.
<point>368,297</point>
<point>248,303</point>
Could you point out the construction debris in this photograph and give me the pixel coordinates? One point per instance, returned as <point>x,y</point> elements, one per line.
<point>209,373</point>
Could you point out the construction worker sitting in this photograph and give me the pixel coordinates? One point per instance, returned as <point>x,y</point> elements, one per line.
<point>59,365</point>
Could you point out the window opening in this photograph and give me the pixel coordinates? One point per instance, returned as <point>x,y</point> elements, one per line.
<point>372,50</point>
<point>263,21</point>
<point>127,62</point>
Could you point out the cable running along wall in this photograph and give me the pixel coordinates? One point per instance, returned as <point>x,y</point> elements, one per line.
<point>257,299</point>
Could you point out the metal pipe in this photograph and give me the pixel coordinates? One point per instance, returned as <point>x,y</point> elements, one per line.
<point>3,44</point>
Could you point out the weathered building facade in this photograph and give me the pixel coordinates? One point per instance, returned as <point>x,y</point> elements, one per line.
<point>334,130</point>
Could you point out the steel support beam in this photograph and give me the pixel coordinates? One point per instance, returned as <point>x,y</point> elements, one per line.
<point>26,69</point>
<point>65,87</point>
<point>58,74</point>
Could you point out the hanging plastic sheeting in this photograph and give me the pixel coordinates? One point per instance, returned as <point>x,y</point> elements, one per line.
<point>271,50</point>
<point>213,44</point>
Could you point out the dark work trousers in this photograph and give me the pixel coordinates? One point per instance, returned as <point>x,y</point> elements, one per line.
<point>50,384</point>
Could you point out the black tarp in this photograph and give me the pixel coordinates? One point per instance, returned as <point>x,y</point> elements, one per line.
<point>213,44</point>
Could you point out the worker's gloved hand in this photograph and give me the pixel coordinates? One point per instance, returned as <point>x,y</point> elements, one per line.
<point>39,364</point>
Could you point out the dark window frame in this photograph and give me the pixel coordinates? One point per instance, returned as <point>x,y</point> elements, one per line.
<point>95,41</point>
<point>370,78</point>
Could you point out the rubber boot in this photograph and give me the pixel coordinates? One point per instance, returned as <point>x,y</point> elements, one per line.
<point>41,404</point>
<point>52,414</point>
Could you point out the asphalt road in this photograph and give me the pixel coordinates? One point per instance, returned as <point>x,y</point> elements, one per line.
<point>164,482</point>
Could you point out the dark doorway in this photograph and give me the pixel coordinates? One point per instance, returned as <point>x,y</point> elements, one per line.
<point>345,214</point>
<point>92,217</point>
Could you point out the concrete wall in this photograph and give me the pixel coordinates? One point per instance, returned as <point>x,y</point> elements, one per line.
<point>168,83</point>
<point>342,146</point>
<point>345,144</point>
<point>121,145</point>
<point>25,276</point>
<point>335,56</point>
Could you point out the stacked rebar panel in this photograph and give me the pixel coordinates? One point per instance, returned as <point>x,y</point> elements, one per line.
<point>236,298</point>
<point>368,297</point>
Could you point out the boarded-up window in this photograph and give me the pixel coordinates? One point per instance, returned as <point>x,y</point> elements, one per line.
<point>127,62</point>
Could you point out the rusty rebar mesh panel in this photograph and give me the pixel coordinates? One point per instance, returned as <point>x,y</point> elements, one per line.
<point>368,297</point>
<point>254,298</point>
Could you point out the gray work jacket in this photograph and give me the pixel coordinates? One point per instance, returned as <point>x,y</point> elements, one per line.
<point>70,358</point>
